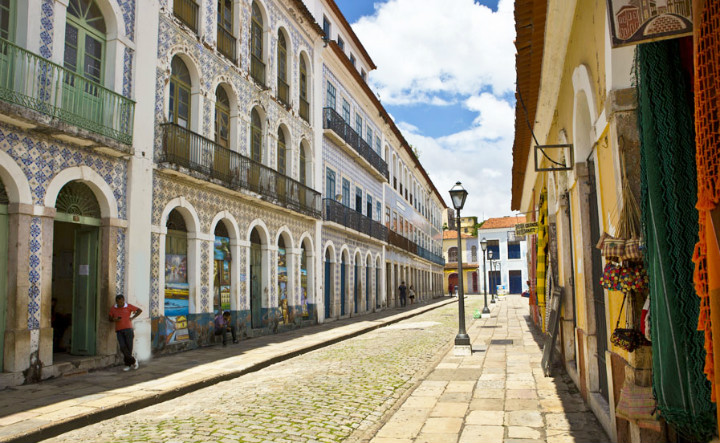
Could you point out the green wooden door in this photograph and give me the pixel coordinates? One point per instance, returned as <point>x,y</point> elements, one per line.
<point>85,290</point>
<point>3,275</point>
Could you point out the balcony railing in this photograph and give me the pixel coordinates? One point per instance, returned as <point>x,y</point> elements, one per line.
<point>333,121</point>
<point>197,153</point>
<point>226,44</point>
<point>337,212</point>
<point>187,12</point>
<point>36,83</point>
<point>304,110</point>
<point>427,255</point>
<point>283,93</point>
<point>257,70</point>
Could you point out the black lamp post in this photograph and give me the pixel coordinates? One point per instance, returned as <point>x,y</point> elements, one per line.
<point>458,194</point>
<point>483,244</point>
<point>493,284</point>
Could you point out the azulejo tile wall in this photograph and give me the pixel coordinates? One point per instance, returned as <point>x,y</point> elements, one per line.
<point>41,160</point>
<point>214,69</point>
<point>208,203</point>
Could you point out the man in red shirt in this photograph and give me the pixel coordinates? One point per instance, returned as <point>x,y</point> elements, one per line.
<point>122,315</point>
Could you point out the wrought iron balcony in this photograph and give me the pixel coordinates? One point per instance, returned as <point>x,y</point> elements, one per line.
<point>427,255</point>
<point>192,151</point>
<point>257,70</point>
<point>337,212</point>
<point>35,83</point>
<point>226,44</point>
<point>304,110</point>
<point>187,12</point>
<point>334,122</point>
<point>283,92</point>
<point>408,245</point>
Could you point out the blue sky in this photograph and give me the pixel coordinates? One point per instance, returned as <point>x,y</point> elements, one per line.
<point>451,91</point>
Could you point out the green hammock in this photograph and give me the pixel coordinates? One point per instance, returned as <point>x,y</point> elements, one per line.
<point>670,225</point>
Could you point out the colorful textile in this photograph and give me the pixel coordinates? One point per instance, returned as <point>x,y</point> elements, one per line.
<point>707,157</point>
<point>541,258</point>
<point>668,182</point>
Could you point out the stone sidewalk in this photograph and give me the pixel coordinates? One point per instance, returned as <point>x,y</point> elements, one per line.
<point>498,394</point>
<point>39,411</point>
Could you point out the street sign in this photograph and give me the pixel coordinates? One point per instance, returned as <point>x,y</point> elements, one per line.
<point>526,228</point>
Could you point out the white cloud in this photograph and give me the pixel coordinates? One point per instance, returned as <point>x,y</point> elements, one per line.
<point>480,157</point>
<point>434,53</point>
<point>428,47</point>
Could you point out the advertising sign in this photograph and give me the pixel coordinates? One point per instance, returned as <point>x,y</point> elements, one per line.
<point>526,229</point>
<point>641,21</point>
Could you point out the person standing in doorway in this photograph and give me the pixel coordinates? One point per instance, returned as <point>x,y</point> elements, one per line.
<point>122,314</point>
<point>403,294</point>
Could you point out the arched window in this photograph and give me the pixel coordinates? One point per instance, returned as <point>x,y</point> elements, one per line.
<point>225,38</point>
<point>255,136</point>
<point>179,109</point>
<point>281,153</point>
<point>222,118</point>
<point>283,87</point>
<point>303,171</point>
<point>304,104</point>
<point>85,40</point>
<point>257,66</point>
<point>453,254</point>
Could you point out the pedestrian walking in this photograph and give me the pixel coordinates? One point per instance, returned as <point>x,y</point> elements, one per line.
<point>223,326</point>
<point>403,294</point>
<point>122,314</point>
<point>411,294</point>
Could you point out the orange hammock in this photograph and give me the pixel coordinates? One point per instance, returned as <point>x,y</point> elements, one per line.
<point>707,138</point>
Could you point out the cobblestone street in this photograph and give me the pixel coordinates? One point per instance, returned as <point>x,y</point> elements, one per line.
<point>386,386</point>
<point>320,396</point>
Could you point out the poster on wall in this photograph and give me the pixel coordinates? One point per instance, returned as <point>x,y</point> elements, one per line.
<point>642,21</point>
<point>222,259</point>
<point>177,303</point>
<point>303,293</point>
<point>282,285</point>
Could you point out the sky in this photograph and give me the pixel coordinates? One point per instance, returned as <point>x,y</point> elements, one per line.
<point>446,75</point>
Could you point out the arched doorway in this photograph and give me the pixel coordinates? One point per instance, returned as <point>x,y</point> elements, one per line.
<point>328,284</point>
<point>367,284</point>
<point>304,299</point>
<point>377,283</point>
<point>223,265</point>
<point>256,272</point>
<point>282,282</point>
<point>452,282</point>
<point>75,271</point>
<point>343,283</point>
<point>177,289</point>
<point>356,284</point>
<point>4,228</point>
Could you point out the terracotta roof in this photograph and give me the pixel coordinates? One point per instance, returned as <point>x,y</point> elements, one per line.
<point>384,115</point>
<point>450,234</point>
<point>502,222</point>
<point>530,41</point>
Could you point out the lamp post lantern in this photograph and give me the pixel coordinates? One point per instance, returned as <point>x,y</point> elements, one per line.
<point>458,194</point>
<point>483,245</point>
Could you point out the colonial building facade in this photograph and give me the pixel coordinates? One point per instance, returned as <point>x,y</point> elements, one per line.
<point>179,153</point>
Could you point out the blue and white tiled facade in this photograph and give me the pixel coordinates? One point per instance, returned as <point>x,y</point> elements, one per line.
<point>43,160</point>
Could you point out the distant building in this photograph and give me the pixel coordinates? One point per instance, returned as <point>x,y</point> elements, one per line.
<point>505,264</point>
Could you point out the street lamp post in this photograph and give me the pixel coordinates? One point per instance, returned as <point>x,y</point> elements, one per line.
<point>492,276</point>
<point>486,310</point>
<point>462,340</point>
